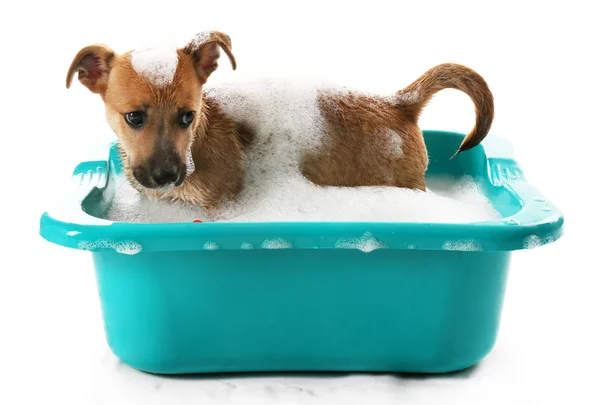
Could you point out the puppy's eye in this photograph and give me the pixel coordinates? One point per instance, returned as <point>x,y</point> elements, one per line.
<point>186,118</point>
<point>135,119</point>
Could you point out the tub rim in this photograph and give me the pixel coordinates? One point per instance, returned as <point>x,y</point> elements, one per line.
<point>536,223</point>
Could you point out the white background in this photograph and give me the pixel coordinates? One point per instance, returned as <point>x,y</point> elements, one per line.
<point>541,62</point>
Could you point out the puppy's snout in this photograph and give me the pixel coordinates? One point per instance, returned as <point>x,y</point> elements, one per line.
<point>163,175</point>
<point>161,171</point>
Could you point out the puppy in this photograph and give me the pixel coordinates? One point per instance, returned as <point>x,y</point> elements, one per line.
<point>178,143</point>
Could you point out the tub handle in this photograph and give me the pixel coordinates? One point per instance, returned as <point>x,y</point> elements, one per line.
<point>504,171</point>
<point>538,216</point>
<point>87,177</point>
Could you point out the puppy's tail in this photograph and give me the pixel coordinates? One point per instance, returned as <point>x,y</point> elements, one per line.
<point>413,98</point>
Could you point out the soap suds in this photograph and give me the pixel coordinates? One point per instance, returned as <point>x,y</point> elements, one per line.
<point>211,245</point>
<point>534,241</point>
<point>199,39</point>
<point>277,244</point>
<point>468,245</point>
<point>124,247</point>
<point>447,200</point>
<point>367,243</point>
<point>157,62</point>
<point>189,161</point>
<point>158,65</point>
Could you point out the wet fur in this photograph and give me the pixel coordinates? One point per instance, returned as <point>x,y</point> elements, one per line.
<point>218,152</point>
<point>355,151</point>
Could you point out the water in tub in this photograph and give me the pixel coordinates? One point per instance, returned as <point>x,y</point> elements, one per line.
<point>287,122</point>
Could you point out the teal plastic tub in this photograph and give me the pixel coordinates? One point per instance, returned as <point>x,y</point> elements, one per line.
<point>215,297</point>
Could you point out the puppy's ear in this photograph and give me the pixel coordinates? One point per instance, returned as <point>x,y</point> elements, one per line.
<point>204,51</point>
<point>92,64</point>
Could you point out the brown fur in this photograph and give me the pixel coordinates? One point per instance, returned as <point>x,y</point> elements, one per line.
<point>453,76</point>
<point>359,128</point>
<point>185,91</point>
<point>219,157</point>
<point>357,151</point>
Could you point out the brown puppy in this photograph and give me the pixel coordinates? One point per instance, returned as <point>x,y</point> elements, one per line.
<point>177,143</point>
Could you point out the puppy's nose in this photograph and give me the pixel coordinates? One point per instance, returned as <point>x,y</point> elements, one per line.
<point>165,175</point>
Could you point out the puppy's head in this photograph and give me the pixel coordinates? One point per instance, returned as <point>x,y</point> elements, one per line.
<point>153,101</point>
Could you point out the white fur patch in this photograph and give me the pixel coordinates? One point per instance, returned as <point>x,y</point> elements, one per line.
<point>158,65</point>
<point>393,143</point>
